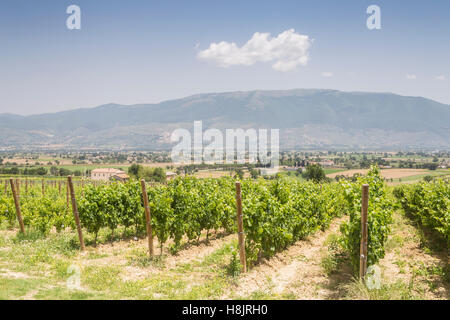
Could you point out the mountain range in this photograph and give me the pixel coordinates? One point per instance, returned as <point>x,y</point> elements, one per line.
<point>307,119</point>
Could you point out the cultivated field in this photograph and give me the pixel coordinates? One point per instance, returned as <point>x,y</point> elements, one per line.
<point>392,173</point>
<point>196,247</point>
<point>309,269</point>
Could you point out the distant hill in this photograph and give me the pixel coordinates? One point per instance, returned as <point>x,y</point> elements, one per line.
<point>307,118</point>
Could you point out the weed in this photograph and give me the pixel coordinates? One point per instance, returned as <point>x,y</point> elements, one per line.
<point>234,266</point>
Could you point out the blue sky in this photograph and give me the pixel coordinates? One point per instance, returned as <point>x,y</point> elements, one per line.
<point>141,51</point>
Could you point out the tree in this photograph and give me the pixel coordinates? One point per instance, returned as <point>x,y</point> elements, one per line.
<point>135,170</point>
<point>315,173</point>
<point>365,163</point>
<point>430,166</point>
<point>254,173</point>
<point>348,164</point>
<point>54,171</point>
<point>156,174</point>
<point>239,173</point>
<point>14,170</point>
<point>41,171</point>
<point>64,172</point>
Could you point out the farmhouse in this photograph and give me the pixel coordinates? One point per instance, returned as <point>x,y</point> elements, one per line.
<point>170,175</point>
<point>122,177</point>
<point>269,171</point>
<point>326,163</point>
<point>105,174</point>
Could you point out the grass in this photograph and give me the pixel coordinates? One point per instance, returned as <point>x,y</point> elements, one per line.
<point>333,170</point>
<point>37,267</point>
<point>425,274</point>
<point>139,257</point>
<point>433,173</point>
<point>334,256</point>
<point>398,290</point>
<point>17,288</point>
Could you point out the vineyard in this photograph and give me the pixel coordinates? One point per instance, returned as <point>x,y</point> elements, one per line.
<point>428,203</point>
<point>276,214</point>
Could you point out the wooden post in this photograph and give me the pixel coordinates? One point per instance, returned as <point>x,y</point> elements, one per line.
<point>364,231</point>
<point>240,227</point>
<point>26,187</point>
<point>59,187</point>
<point>6,186</point>
<point>18,189</point>
<point>148,218</point>
<point>17,204</point>
<point>43,187</point>
<point>67,194</point>
<point>75,212</point>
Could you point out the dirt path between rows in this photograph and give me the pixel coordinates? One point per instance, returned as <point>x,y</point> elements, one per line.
<point>411,269</point>
<point>294,273</point>
<point>297,273</point>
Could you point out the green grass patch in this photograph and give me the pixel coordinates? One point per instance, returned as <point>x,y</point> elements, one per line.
<point>100,278</point>
<point>17,288</point>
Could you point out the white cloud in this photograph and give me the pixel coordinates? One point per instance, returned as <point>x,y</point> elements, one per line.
<point>441,77</point>
<point>287,51</point>
<point>327,74</point>
<point>411,77</point>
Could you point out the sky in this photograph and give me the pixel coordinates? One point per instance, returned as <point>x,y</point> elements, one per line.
<point>140,51</point>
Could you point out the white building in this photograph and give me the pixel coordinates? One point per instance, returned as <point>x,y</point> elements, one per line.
<point>170,175</point>
<point>105,174</point>
<point>269,171</point>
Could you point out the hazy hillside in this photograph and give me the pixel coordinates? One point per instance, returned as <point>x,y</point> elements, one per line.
<point>307,118</point>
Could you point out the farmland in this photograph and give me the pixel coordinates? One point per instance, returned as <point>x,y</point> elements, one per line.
<point>299,244</point>
<point>411,166</point>
<point>395,175</point>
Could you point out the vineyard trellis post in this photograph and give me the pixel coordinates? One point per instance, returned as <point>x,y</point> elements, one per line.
<point>43,187</point>
<point>75,212</point>
<point>17,204</point>
<point>148,218</point>
<point>18,189</point>
<point>240,227</point>
<point>67,194</point>
<point>364,231</point>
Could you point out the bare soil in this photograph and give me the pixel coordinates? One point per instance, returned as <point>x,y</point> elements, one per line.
<point>295,271</point>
